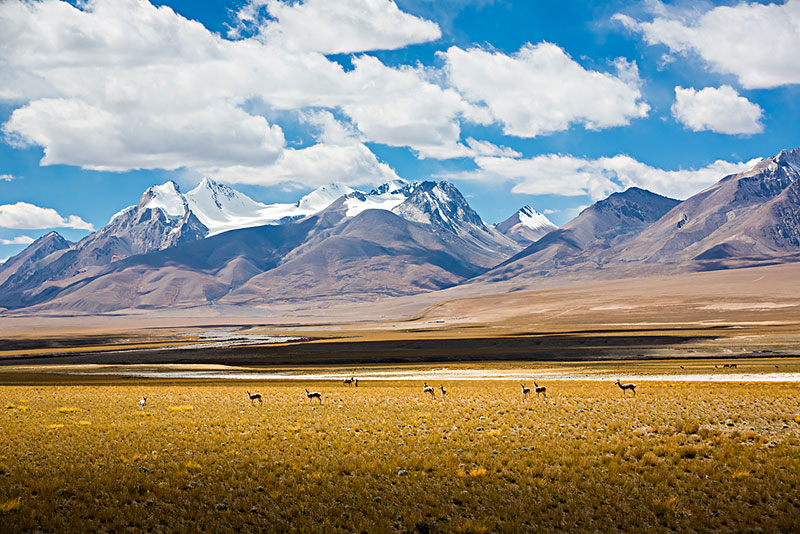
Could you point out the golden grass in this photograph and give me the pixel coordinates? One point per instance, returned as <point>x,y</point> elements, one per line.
<point>382,458</point>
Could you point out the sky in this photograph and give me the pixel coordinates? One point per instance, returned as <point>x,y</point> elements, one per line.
<point>551,104</point>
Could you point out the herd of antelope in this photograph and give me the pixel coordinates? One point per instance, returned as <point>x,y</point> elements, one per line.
<point>426,390</point>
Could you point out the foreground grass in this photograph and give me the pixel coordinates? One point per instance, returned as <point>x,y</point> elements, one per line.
<point>381,458</point>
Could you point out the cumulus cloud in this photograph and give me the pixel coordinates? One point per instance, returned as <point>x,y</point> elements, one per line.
<point>19,240</point>
<point>24,216</point>
<point>720,110</point>
<point>123,84</point>
<point>755,42</point>
<point>339,27</point>
<point>566,175</point>
<point>339,156</point>
<point>313,166</point>
<point>540,89</point>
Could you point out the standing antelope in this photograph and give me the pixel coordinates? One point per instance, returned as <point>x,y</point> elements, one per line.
<point>444,391</point>
<point>142,402</point>
<point>428,389</point>
<point>623,387</point>
<point>314,395</point>
<point>255,397</point>
<point>348,381</point>
<point>525,391</point>
<point>355,382</point>
<point>540,389</point>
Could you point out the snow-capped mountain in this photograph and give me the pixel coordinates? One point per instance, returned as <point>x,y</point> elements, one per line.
<point>221,208</point>
<point>526,226</point>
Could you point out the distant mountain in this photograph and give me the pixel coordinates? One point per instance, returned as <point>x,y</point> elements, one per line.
<point>526,226</point>
<point>27,259</point>
<point>399,238</point>
<point>605,224</point>
<point>749,217</point>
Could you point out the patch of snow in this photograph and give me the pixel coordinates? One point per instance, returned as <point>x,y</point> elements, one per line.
<point>322,197</point>
<point>374,201</point>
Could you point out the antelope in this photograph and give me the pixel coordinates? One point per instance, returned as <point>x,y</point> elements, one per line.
<point>444,391</point>
<point>623,387</point>
<point>428,389</point>
<point>525,391</point>
<point>540,389</point>
<point>355,382</point>
<point>348,381</point>
<point>314,395</point>
<point>734,366</point>
<point>255,397</point>
<point>142,402</point>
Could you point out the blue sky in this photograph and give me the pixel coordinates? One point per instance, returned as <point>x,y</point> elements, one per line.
<point>552,104</point>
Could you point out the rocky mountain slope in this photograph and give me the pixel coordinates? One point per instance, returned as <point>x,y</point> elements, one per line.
<point>753,216</point>
<point>584,239</point>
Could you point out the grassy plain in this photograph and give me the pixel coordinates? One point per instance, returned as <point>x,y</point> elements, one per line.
<point>77,455</point>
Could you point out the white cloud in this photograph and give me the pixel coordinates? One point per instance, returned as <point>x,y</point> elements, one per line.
<point>718,110</point>
<point>122,84</point>
<point>565,175</point>
<point>313,166</point>
<point>540,89</point>
<point>342,26</point>
<point>757,43</point>
<point>24,216</point>
<point>19,240</point>
<point>76,133</point>
<point>7,177</point>
<point>339,156</point>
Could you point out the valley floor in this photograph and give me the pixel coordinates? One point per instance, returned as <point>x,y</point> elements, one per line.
<point>78,455</point>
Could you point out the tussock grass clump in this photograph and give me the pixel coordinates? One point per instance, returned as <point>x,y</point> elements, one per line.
<point>68,410</point>
<point>10,505</point>
<point>382,458</point>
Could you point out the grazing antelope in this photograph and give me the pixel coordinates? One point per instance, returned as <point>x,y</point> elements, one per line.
<point>525,391</point>
<point>540,389</point>
<point>734,366</point>
<point>623,387</point>
<point>428,389</point>
<point>726,366</point>
<point>255,397</point>
<point>142,402</point>
<point>314,395</point>
<point>348,381</point>
<point>681,367</point>
<point>444,391</point>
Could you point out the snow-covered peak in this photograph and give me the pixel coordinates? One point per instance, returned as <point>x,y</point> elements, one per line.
<point>221,207</point>
<point>526,226</point>
<point>322,197</point>
<point>534,220</point>
<point>166,197</point>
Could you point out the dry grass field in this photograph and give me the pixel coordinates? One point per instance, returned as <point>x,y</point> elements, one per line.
<point>77,455</point>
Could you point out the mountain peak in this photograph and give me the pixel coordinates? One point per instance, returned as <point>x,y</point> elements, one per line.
<point>167,197</point>
<point>526,226</point>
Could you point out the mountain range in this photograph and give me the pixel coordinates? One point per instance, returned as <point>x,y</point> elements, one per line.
<point>216,248</point>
